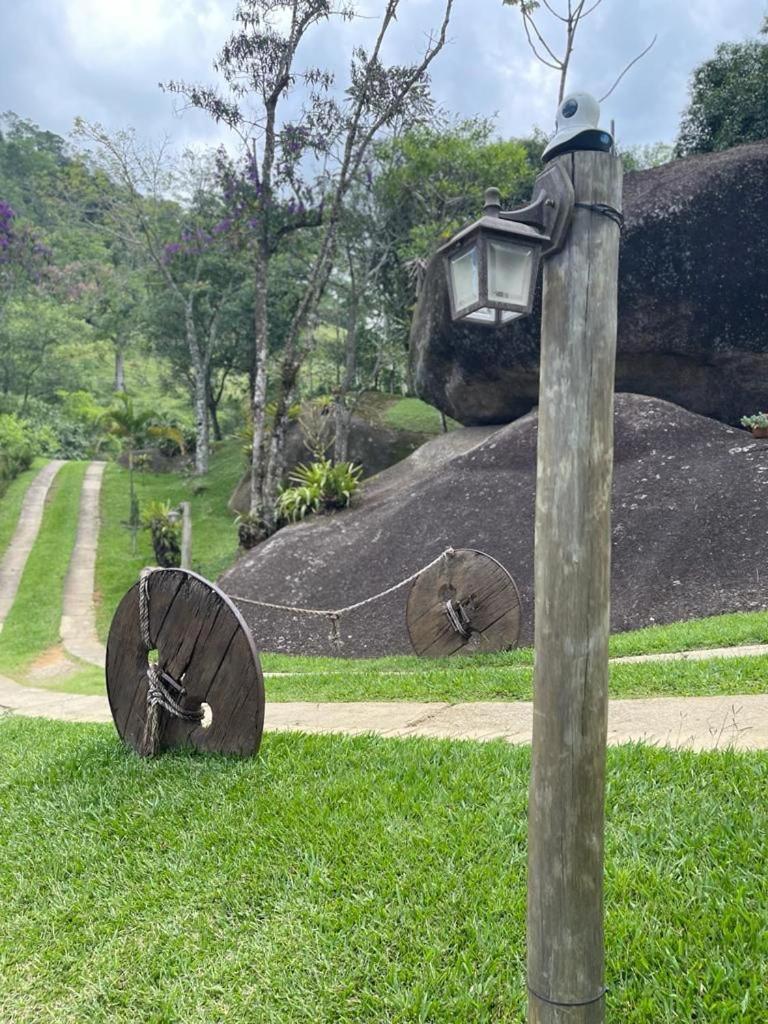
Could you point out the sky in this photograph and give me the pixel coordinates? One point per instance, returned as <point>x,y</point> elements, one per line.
<point>103,60</point>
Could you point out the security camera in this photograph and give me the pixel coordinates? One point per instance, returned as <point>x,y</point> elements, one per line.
<point>576,127</point>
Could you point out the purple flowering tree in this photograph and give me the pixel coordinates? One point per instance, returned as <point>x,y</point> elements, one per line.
<point>301,155</point>
<point>24,259</point>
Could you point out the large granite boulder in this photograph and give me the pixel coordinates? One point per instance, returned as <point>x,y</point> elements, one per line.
<point>689,530</point>
<point>693,303</point>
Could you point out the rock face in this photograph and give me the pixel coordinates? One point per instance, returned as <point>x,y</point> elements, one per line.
<point>693,303</point>
<point>690,530</point>
<point>373,447</point>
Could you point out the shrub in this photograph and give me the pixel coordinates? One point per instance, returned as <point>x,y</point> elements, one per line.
<point>165,530</point>
<point>57,435</point>
<point>17,447</point>
<point>759,421</point>
<point>318,487</point>
<point>251,530</point>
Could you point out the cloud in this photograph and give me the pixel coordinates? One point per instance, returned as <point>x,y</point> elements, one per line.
<point>102,59</point>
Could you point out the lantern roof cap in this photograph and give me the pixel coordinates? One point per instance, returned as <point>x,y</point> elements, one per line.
<point>513,230</point>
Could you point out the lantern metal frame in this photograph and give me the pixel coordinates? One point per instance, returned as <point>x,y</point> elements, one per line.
<point>542,225</point>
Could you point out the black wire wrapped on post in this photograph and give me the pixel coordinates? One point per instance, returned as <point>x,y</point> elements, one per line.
<point>606,210</point>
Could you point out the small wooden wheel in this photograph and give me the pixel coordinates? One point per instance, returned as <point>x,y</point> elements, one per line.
<point>466,602</point>
<point>203,643</point>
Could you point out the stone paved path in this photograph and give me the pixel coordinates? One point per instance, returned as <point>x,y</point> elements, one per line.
<point>78,620</point>
<point>698,723</point>
<point>30,517</point>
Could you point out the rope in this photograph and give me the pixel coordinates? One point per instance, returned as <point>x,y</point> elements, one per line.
<point>163,691</point>
<point>334,614</point>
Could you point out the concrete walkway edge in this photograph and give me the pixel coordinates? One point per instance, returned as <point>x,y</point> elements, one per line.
<point>695,723</point>
<point>78,619</point>
<point>30,517</point>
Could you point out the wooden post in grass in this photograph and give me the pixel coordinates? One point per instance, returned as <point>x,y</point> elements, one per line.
<point>573,504</point>
<point>186,535</point>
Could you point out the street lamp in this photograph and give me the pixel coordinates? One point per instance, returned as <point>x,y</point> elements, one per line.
<point>492,265</point>
<point>492,269</point>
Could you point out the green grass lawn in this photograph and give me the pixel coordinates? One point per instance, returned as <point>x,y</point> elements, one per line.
<point>214,539</point>
<point>413,414</point>
<point>507,676</point>
<point>10,502</point>
<point>346,881</point>
<point>401,413</point>
<point>465,681</point>
<point>33,622</point>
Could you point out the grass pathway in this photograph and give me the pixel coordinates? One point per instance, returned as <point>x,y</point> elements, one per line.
<point>29,642</point>
<point>78,618</point>
<point>30,517</point>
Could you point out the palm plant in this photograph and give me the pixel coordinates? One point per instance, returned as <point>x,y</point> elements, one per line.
<point>130,425</point>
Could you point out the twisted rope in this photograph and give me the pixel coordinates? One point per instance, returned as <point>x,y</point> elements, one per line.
<point>163,691</point>
<point>335,614</point>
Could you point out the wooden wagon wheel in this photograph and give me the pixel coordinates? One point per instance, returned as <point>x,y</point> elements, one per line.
<point>203,644</point>
<point>466,602</point>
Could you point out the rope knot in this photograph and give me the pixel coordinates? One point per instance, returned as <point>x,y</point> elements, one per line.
<point>164,693</point>
<point>335,636</point>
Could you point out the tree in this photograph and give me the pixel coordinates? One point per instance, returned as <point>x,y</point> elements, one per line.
<point>642,158</point>
<point>729,99</point>
<point>33,331</point>
<point>130,425</point>
<point>113,306</point>
<point>275,191</point>
<point>167,214</point>
<point>24,259</point>
<point>546,51</point>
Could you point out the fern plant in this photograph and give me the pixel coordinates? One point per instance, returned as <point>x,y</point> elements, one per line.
<point>318,487</point>
<point>165,530</point>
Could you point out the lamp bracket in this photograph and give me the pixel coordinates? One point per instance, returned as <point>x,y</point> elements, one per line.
<point>549,211</point>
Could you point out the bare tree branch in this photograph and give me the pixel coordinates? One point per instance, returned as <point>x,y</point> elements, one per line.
<point>626,69</point>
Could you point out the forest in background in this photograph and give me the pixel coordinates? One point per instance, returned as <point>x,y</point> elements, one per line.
<point>84,319</point>
<point>127,287</point>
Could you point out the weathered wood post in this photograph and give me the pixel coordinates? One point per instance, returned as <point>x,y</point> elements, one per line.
<point>186,535</point>
<point>572,577</point>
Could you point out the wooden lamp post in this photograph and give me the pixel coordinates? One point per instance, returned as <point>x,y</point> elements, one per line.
<point>576,208</point>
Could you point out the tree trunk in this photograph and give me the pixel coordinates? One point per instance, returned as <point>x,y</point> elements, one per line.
<point>213,411</point>
<point>119,368</point>
<point>259,402</point>
<point>201,422</point>
<point>200,369</point>
<point>343,416</point>
<point>276,462</point>
<point>343,408</point>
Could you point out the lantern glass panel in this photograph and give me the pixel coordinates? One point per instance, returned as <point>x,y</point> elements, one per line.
<point>509,271</point>
<point>506,316</point>
<point>464,279</point>
<point>484,316</point>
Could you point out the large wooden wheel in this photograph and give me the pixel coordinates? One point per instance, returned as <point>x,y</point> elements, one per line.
<point>466,602</point>
<point>201,642</point>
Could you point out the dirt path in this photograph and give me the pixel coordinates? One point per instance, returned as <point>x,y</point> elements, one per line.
<point>30,517</point>
<point>78,619</point>
<point>698,723</point>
